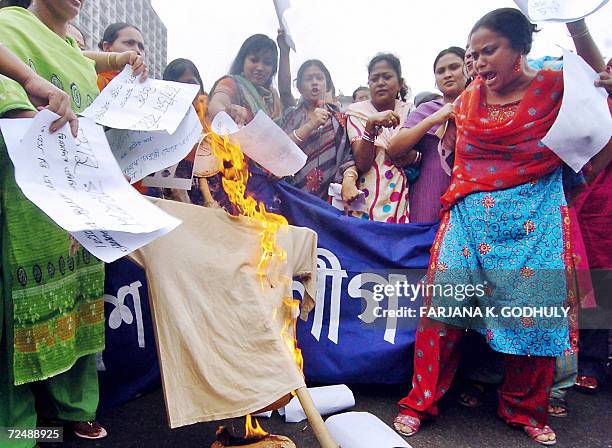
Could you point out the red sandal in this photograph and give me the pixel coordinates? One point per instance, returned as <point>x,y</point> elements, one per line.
<point>412,423</point>
<point>534,433</point>
<point>586,384</point>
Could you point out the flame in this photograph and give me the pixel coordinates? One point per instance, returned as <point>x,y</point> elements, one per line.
<point>253,432</point>
<point>235,172</point>
<point>235,176</point>
<point>288,331</point>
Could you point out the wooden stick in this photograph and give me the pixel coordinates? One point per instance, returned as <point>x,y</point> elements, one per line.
<point>315,419</point>
<point>207,196</point>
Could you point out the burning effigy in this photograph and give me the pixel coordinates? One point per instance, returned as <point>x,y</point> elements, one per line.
<point>221,295</point>
<point>218,325</point>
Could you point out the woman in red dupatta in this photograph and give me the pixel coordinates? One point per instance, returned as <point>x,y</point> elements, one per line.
<point>505,232</point>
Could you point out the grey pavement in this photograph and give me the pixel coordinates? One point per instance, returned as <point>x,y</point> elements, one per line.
<point>142,423</point>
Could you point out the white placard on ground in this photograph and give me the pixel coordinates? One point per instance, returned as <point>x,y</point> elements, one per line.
<point>140,153</point>
<point>327,400</point>
<point>264,142</point>
<point>363,430</point>
<point>584,125</point>
<point>79,185</point>
<point>152,105</point>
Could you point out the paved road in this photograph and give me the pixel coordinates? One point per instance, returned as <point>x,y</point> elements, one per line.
<point>142,423</point>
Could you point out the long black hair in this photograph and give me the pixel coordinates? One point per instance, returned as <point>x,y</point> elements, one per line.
<point>175,69</point>
<point>395,64</point>
<point>512,24</point>
<point>111,33</point>
<point>257,44</point>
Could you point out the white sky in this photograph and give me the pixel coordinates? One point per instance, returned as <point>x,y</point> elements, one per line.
<point>346,34</point>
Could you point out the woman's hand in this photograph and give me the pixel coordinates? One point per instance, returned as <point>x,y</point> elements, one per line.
<point>349,191</point>
<point>443,115</point>
<point>282,41</point>
<point>43,94</point>
<point>605,81</point>
<point>139,67</point>
<point>238,113</point>
<point>318,119</point>
<point>40,92</point>
<point>386,119</point>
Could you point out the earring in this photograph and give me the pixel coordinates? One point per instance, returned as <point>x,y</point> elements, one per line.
<point>517,66</point>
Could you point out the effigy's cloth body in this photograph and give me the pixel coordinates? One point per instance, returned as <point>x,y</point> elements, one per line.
<point>218,331</point>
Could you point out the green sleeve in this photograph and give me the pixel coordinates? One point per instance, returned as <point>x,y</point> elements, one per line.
<point>12,96</point>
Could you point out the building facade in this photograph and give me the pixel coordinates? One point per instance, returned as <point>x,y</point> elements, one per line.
<point>96,15</point>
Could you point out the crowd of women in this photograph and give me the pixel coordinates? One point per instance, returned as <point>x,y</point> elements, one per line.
<point>471,157</point>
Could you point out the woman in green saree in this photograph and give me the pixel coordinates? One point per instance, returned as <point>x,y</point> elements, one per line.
<point>51,308</point>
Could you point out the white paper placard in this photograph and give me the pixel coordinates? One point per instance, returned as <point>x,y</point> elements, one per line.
<point>281,6</point>
<point>110,245</point>
<point>583,126</point>
<point>152,105</point>
<point>264,142</point>
<point>223,124</point>
<point>559,10</point>
<point>327,400</point>
<point>363,430</point>
<point>140,153</point>
<point>79,185</point>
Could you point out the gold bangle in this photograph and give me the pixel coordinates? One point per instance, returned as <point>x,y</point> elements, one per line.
<point>113,58</point>
<point>350,172</point>
<point>108,62</point>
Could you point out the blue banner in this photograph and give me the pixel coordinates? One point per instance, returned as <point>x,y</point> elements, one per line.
<point>128,366</point>
<point>341,341</point>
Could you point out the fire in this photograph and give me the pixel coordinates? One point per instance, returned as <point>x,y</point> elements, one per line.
<point>253,432</point>
<point>288,331</point>
<point>235,172</point>
<point>235,176</point>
